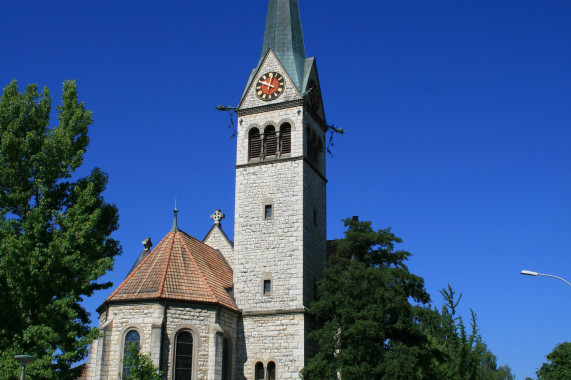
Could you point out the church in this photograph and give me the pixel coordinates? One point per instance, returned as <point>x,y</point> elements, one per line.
<point>209,308</point>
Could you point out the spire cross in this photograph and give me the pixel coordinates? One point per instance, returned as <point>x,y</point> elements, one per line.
<point>217,216</point>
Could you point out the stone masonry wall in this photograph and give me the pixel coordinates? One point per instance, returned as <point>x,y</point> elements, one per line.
<point>269,249</point>
<point>145,318</point>
<point>205,322</point>
<point>217,240</point>
<point>277,338</point>
<point>197,320</point>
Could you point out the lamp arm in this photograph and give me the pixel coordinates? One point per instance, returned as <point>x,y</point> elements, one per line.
<point>559,278</point>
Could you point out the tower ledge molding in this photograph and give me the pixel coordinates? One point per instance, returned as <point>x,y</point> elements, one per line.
<point>301,310</point>
<point>272,107</point>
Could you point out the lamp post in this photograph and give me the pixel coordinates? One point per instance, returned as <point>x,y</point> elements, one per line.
<point>530,273</point>
<point>24,360</point>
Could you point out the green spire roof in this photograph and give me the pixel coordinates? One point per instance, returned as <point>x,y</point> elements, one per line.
<point>284,35</point>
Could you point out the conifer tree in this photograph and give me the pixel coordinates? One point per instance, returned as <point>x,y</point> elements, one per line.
<point>366,315</point>
<point>373,320</point>
<point>54,232</point>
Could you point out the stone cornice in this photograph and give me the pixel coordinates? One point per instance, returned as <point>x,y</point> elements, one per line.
<point>270,107</point>
<point>251,313</point>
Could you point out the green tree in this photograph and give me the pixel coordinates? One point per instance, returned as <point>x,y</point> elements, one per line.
<point>367,314</point>
<point>466,356</point>
<point>372,319</point>
<point>54,232</point>
<point>141,366</point>
<point>558,365</point>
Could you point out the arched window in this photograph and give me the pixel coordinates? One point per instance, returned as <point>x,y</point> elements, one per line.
<point>285,138</point>
<point>255,144</point>
<point>259,375</point>
<point>183,356</point>
<point>271,147</point>
<point>271,371</point>
<point>226,361</point>
<point>130,348</point>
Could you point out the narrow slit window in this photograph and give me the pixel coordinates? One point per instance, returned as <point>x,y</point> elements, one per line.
<point>267,287</point>
<point>268,212</point>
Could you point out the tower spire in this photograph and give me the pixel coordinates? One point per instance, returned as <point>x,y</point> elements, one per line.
<point>175,222</point>
<point>284,35</point>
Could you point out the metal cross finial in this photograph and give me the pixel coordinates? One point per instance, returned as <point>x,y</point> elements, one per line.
<point>217,216</point>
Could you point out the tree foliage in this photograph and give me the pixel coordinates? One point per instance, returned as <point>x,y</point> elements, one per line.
<point>558,365</point>
<point>373,319</point>
<point>142,367</point>
<point>367,325</point>
<point>466,355</point>
<point>54,232</point>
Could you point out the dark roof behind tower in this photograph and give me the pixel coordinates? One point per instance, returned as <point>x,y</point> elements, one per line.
<point>284,35</point>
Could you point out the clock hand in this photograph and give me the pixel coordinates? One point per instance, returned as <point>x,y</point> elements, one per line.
<point>269,84</point>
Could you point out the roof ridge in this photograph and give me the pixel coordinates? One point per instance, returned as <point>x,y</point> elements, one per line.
<point>199,270</point>
<point>136,269</point>
<point>164,276</point>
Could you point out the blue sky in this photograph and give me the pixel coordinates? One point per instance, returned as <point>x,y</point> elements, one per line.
<point>458,120</point>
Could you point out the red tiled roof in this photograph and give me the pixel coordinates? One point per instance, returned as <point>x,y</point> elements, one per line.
<point>180,268</point>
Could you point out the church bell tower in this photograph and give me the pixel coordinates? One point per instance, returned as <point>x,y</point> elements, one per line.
<point>280,231</point>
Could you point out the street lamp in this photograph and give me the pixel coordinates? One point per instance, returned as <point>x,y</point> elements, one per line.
<point>24,361</point>
<point>530,273</point>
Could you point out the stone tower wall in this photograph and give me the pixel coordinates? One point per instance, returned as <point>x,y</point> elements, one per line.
<point>269,249</point>
<point>278,338</point>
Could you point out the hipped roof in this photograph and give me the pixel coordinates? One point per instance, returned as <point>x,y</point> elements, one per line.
<point>180,268</point>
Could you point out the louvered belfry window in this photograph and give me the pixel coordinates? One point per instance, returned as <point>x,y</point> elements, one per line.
<point>255,142</point>
<point>285,137</point>
<point>271,141</point>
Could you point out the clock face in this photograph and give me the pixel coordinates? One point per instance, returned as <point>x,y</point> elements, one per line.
<point>270,86</point>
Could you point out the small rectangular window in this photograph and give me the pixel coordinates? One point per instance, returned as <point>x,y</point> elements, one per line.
<point>269,212</point>
<point>267,287</point>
